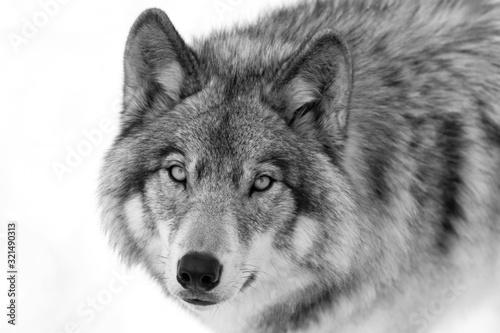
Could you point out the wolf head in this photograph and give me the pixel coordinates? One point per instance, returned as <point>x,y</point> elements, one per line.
<point>226,172</point>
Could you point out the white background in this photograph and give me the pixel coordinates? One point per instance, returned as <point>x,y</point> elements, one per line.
<point>60,77</point>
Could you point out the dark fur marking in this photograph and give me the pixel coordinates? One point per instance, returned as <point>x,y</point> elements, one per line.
<point>200,169</point>
<point>491,130</point>
<point>378,164</point>
<point>236,176</point>
<point>136,180</point>
<point>332,150</point>
<point>301,190</point>
<point>302,111</point>
<point>308,312</point>
<point>281,163</point>
<point>251,279</point>
<point>424,182</point>
<point>154,92</point>
<point>451,143</point>
<point>286,233</point>
<point>129,129</point>
<point>378,168</point>
<point>380,48</point>
<point>302,187</point>
<point>303,200</point>
<point>379,156</point>
<point>393,77</point>
<point>423,172</point>
<point>334,153</point>
<point>148,214</point>
<point>167,150</point>
<point>292,316</point>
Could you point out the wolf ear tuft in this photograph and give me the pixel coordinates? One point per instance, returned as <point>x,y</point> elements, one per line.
<point>312,91</point>
<point>160,69</point>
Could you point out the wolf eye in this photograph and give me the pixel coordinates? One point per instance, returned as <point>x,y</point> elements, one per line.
<point>177,173</point>
<point>262,183</point>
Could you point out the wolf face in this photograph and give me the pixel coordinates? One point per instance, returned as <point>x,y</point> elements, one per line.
<point>203,184</point>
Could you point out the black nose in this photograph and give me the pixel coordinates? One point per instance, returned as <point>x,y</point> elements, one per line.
<point>198,271</point>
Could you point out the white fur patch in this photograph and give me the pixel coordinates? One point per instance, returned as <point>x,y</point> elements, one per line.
<point>171,79</point>
<point>306,231</point>
<point>277,278</point>
<point>135,217</point>
<point>301,92</point>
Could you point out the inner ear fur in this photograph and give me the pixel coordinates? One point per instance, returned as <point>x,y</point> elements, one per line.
<point>160,69</point>
<point>313,89</point>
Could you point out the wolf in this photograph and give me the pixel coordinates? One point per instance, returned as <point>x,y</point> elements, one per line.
<point>333,166</point>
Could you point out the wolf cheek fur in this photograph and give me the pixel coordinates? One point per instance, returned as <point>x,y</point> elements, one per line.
<point>376,125</point>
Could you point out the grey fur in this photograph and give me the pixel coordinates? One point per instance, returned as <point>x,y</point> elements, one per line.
<point>396,156</point>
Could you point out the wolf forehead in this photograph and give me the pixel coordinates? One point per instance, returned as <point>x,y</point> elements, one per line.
<point>213,131</point>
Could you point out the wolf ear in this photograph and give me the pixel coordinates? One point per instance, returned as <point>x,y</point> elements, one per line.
<point>160,69</point>
<point>313,89</point>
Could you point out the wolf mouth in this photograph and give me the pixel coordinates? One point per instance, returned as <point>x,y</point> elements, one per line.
<point>197,301</point>
<point>201,302</point>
